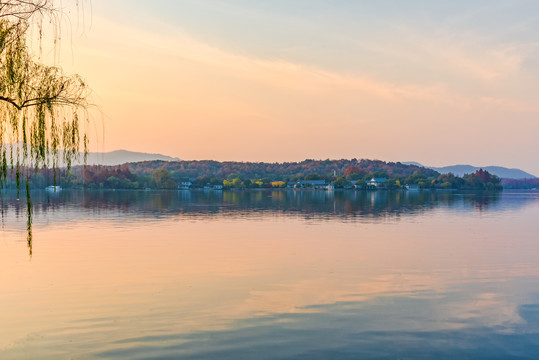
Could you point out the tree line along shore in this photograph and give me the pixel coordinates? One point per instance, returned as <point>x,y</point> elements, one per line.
<point>308,174</point>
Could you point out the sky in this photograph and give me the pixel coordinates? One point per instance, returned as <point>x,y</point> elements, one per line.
<point>437,82</point>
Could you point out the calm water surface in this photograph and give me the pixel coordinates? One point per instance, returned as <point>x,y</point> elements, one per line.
<point>271,275</point>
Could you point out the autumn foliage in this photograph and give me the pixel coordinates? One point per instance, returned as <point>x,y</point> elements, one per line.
<point>342,173</point>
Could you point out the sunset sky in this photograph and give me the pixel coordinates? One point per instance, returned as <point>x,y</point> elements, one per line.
<point>438,82</point>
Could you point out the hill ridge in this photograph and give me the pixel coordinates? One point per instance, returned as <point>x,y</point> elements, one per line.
<point>462,169</point>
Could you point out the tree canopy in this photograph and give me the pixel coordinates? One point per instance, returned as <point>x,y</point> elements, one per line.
<point>41,109</point>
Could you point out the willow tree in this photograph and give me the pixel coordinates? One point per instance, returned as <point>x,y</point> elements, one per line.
<point>42,110</point>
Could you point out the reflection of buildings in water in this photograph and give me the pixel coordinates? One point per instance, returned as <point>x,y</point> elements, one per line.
<point>184,195</point>
<point>373,197</point>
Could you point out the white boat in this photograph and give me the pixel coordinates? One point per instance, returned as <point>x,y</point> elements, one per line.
<point>53,188</point>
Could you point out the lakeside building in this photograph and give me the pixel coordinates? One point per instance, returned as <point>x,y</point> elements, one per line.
<point>412,187</point>
<point>185,184</point>
<point>213,187</point>
<point>309,184</point>
<point>376,182</point>
<point>353,184</point>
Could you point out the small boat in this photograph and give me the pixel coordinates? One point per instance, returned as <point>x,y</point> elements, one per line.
<point>53,188</point>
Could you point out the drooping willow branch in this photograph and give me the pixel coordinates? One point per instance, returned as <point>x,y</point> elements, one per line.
<point>40,107</point>
<point>43,112</point>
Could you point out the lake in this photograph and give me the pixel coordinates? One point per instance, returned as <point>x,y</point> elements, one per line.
<point>270,275</point>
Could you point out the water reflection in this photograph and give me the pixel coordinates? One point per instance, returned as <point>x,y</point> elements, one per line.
<point>314,205</point>
<point>271,275</point>
<point>320,205</point>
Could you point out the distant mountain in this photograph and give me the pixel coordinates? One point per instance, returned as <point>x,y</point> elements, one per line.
<point>502,172</point>
<point>460,170</point>
<point>118,157</point>
<point>110,158</point>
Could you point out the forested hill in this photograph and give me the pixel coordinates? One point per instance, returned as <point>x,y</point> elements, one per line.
<point>287,170</point>
<point>240,175</point>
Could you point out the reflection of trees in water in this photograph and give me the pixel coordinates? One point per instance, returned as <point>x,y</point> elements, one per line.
<point>309,204</point>
<point>18,209</point>
<point>132,206</point>
<point>320,204</point>
<point>481,201</point>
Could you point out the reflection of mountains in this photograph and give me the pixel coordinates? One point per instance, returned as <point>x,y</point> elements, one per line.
<point>318,204</point>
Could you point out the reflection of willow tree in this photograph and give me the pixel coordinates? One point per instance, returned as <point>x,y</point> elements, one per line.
<point>41,108</point>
